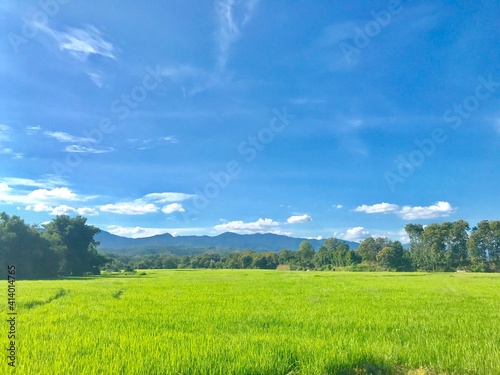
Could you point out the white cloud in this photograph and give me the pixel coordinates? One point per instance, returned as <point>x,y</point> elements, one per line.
<point>48,182</point>
<point>66,138</point>
<point>80,144</point>
<point>439,209</point>
<point>130,208</point>
<point>147,144</point>
<point>135,232</point>
<point>97,78</point>
<point>299,219</point>
<point>56,193</point>
<point>170,139</point>
<point>19,190</point>
<point>87,211</point>
<point>87,150</point>
<point>259,226</point>
<point>173,207</point>
<point>5,133</point>
<point>149,204</point>
<point>39,207</point>
<point>385,208</point>
<point>9,151</point>
<point>166,197</point>
<point>140,232</point>
<point>61,209</point>
<point>33,129</point>
<point>355,234</point>
<point>319,238</point>
<point>81,42</point>
<point>67,210</point>
<point>339,206</point>
<point>232,15</point>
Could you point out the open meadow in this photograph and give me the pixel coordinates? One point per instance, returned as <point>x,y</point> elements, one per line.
<point>258,322</point>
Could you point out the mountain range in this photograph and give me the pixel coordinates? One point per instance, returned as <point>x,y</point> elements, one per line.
<point>260,242</point>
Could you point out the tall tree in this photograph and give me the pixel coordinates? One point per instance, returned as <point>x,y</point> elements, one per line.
<point>370,247</point>
<point>305,254</point>
<point>23,246</point>
<point>391,257</point>
<point>458,236</point>
<point>484,246</point>
<point>76,239</point>
<point>323,257</point>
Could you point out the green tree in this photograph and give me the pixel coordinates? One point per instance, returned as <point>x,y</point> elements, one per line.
<point>76,239</point>
<point>456,243</point>
<point>370,247</point>
<point>246,259</point>
<point>439,247</point>
<point>368,250</point>
<point>286,256</point>
<point>418,252</point>
<point>305,254</point>
<point>23,246</point>
<point>391,257</point>
<point>336,253</point>
<point>484,246</point>
<point>322,258</point>
<point>265,261</point>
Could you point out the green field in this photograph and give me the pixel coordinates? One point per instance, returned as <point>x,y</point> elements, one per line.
<point>258,322</point>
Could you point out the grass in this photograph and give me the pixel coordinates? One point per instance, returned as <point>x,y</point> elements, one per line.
<point>259,322</point>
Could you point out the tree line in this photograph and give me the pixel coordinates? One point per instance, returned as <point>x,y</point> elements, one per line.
<point>66,247</point>
<point>445,247</point>
<point>63,247</point>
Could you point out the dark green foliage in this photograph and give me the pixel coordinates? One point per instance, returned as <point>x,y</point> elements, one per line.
<point>484,246</point>
<point>76,240</point>
<point>66,247</point>
<point>23,246</point>
<point>448,246</point>
<point>305,255</point>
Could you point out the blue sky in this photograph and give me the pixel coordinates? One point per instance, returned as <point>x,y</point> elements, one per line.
<point>311,119</point>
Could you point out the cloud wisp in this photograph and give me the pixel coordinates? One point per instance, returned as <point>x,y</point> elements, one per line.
<point>79,144</point>
<point>232,16</point>
<point>5,133</point>
<point>81,43</point>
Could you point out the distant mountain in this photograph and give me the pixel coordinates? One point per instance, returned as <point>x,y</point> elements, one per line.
<point>257,242</point>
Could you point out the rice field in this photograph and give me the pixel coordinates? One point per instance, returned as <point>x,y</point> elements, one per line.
<point>258,322</point>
